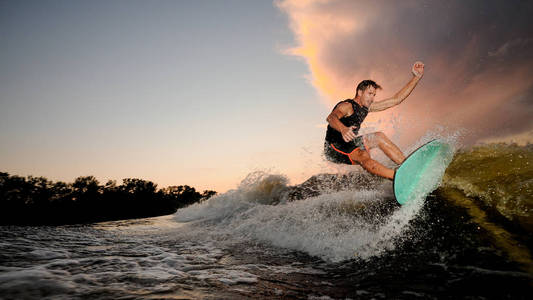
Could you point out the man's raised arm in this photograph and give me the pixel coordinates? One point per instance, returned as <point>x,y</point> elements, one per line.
<point>418,72</point>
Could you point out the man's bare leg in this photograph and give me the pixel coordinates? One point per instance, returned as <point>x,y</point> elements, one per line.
<point>372,166</point>
<point>381,141</point>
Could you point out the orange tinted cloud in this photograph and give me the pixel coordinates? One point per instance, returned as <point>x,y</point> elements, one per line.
<point>316,30</point>
<point>478,56</point>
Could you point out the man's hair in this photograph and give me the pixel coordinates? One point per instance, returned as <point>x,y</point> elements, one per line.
<point>363,85</point>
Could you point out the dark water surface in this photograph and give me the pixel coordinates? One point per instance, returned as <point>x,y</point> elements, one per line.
<point>462,242</point>
<point>449,258</point>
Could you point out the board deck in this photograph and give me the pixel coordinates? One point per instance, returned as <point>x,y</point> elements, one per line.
<point>422,171</point>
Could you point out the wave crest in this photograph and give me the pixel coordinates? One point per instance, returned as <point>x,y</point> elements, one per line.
<point>498,175</point>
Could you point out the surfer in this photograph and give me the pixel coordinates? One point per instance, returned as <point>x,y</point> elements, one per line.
<point>344,146</point>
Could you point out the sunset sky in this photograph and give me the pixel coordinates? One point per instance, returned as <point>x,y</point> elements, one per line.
<point>205,92</point>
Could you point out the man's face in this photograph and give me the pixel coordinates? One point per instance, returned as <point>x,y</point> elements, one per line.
<point>368,96</point>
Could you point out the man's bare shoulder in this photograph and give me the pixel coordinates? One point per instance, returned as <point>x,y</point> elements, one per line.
<point>345,107</point>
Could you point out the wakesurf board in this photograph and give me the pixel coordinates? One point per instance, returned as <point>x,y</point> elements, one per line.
<point>422,171</point>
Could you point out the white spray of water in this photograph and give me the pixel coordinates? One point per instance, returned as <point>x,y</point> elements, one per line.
<point>323,226</point>
<point>256,189</point>
<point>327,226</point>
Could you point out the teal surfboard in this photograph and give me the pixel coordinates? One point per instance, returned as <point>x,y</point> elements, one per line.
<point>422,171</point>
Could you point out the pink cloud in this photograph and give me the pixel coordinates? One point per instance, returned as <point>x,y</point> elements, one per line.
<point>475,74</point>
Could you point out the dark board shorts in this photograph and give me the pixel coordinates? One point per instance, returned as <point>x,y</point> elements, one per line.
<point>340,153</point>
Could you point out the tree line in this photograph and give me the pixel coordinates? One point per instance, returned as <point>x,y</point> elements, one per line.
<point>39,201</point>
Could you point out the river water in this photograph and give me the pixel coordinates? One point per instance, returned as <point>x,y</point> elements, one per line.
<point>255,243</point>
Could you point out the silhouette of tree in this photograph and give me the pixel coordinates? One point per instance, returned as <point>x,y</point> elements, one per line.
<point>36,200</point>
<point>207,194</point>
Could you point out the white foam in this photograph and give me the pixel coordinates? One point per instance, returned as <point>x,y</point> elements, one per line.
<point>227,276</point>
<point>256,188</point>
<point>43,253</point>
<point>34,283</point>
<point>322,226</point>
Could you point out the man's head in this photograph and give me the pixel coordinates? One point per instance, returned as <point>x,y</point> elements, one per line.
<point>366,89</point>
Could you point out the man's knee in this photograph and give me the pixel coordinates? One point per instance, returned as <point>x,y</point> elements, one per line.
<point>381,138</point>
<point>375,139</point>
<point>380,135</point>
<point>360,156</point>
<point>363,158</point>
<point>369,164</point>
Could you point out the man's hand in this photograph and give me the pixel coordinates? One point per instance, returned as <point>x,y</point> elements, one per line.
<point>348,134</point>
<point>418,69</point>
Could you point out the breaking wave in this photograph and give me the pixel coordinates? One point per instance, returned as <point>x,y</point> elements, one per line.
<point>340,222</point>
<point>346,224</point>
<point>499,176</point>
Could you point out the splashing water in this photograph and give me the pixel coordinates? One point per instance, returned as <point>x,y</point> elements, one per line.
<point>256,242</point>
<point>328,226</point>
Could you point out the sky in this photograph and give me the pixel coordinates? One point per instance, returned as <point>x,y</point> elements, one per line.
<point>204,93</point>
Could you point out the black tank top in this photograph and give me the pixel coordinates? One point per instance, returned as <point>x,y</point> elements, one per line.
<point>359,114</point>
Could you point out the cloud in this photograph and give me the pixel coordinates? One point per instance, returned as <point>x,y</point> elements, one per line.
<point>505,48</point>
<point>478,56</point>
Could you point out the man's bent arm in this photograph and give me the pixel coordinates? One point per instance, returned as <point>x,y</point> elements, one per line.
<point>397,98</point>
<point>418,72</point>
<point>335,116</point>
<point>335,122</point>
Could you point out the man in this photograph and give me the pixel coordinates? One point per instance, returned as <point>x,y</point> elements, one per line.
<point>342,143</point>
